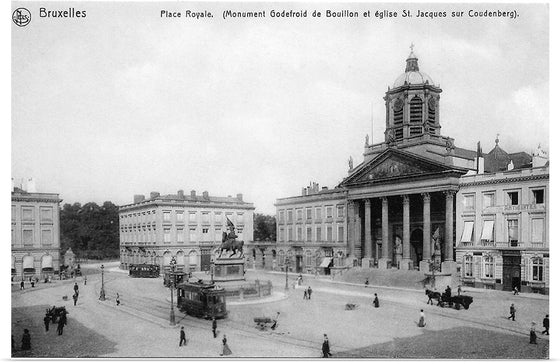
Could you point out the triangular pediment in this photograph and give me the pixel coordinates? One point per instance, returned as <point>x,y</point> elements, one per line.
<point>394,164</point>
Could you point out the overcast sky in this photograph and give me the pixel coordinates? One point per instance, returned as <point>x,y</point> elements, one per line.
<point>125,102</point>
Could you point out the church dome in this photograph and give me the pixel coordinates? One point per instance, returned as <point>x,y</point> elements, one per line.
<point>412,74</point>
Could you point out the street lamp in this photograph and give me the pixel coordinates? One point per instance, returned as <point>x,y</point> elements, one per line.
<point>172,264</point>
<point>102,293</point>
<point>286,263</point>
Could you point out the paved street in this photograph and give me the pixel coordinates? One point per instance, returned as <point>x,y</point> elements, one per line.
<point>140,326</point>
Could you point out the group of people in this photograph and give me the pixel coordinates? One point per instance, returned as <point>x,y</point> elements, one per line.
<point>532,330</point>
<point>307,293</point>
<point>225,347</point>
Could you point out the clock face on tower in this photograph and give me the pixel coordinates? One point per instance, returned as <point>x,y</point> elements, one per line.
<point>398,105</point>
<point>432,103</point>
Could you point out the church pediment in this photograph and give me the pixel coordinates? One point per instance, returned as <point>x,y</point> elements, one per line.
<point>394,164</point>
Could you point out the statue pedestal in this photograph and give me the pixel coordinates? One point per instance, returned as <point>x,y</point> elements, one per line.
<point>438,281</point>
<point>229,269</point>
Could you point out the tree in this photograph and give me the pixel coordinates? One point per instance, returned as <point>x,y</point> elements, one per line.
<point>264,227</point>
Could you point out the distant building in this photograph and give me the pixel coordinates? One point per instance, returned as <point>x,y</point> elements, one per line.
<point>35,234</point>
<point>187,227</point>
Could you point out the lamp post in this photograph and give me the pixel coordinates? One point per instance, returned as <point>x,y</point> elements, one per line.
<point>172,286</point>
<point>286,263</point>
<point>102,293</point>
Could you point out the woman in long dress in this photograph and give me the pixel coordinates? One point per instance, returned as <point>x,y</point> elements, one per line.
<point>422,321</point>
<point>225,348</point>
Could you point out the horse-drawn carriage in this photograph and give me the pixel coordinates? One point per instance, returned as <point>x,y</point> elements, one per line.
<point>263,322</point>
<point>447,299</point>
<point>54,313</point>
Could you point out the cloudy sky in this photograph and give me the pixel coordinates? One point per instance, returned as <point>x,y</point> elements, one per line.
<point>126,102</point>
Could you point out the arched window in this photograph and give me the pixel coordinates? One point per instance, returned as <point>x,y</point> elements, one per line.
<point>537,267</point>
<point>309,259</point>
<point>28,264</point>
<point>488,266</point>
<point>281,258</point>
<point>47,263</point>
<point>468,265</point>
<point>166,258</point>
<point>193,261</point>
<point>416,110</point>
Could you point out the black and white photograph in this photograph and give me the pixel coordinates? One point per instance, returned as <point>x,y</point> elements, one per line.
<point>280,180</point>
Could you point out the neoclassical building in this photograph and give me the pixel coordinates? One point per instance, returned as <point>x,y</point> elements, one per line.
<point>402,206</point>
<point>35,234</point>
<point>187,227</point>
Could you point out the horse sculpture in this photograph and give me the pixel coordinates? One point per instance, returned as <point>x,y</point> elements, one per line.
<point>230,244</point>
<point>433,295</point>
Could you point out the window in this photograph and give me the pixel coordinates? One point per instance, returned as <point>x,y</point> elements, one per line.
<point>290,216</point>
<point>537,230</point>
<point>488,266</point>
<point>398,111</point>
<point>180,216</point>
<point>205,231</point>
<point>180,236</point>
<point>192,234</point>
<point>468,262</point>
<point>218,217</point>
<point>513,198</point>
<point>166,236</point>
<point>340,211</point>
<point>281,234</point>
<point>416,110</point>
<point>513,230</point>
<point>488,231</point>
<point>318,213</point>
<point>467,232</point>
<point>281,258</point>
<point>192,216</point>
<point>239,217</point>
<point>537,269</point>
<point>299,234</point>
<point>340,233</point>
<point>46,214</point>
<point>309,234</point>
<point>281,214</point>
<point>318,236</point>
<point>329,212</point>
<point>239,234</point>
<point>299,214</point>
<point>329,233</point>
<point>290,237</point>
<point>538,196</point>
<point>206,217</point>
<point>167,216</point>
<point>46,237</point>
<point>488,200</point>
<point>308,213</point>
<point>468,202</point>
<point>218,234</point>
<point>309,259</point>
<point>27,213</point>
<point>27,237</point>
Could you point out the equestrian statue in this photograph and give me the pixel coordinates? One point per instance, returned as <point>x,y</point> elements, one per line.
<point>229,242</point>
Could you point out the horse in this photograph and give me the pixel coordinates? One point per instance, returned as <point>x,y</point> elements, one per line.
<point>431,295</point>
<point>234,246</point>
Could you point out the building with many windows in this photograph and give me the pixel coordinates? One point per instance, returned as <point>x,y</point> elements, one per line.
<point>35,234</point>
<point>187,227</point>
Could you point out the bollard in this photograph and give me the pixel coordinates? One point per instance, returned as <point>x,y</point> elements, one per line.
<point>241,293</point>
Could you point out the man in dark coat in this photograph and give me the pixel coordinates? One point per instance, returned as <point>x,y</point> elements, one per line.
<point>512,312</point>
<point>376,301</point>
<point>214,327</point>
<point>326,347</point>
<point>47,320</point>
<point>22,285</point>
<point>26,340</point>
<point>532,334</point>
<point>76,287</point>
<point>183,338</point>
<point>309,290</point>
<point>75,297</point>
<point>545,323</point>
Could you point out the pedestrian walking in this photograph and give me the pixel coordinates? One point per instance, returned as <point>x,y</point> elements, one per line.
<point>46,321</point>
<point>545,323</point>
<point>75,297</point>
<point>309,290</point>
<point>459,290</point>
<point>85,281</point>
<point>515,291</point>
<point>326,347</point>
<point>22,285</point>
<point>214,327</point>
<point>367,282</point>
<point>533,334</point>
<point>76,287</point>
<point>512,312</point>
<point>225,348</point>
<point>183,338</point>
<point>26,340</point>
<point>305,294</point>
<point>60,327</point>
<point>118,299</point>
<point>375,301</point>
<point>422,321</point>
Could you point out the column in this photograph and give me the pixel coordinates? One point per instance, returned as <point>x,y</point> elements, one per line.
<point>384,233</point>
<point>357,230</point>
<point>351,218</point>
<point>406,233</point>
<point>426,249</point>
<point>367,230</point>
<point>449,265</point>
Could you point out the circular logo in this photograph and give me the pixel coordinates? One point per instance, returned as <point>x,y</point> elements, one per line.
<point>21,17</point>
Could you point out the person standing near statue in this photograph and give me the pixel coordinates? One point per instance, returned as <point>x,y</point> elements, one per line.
<point>214,327</point>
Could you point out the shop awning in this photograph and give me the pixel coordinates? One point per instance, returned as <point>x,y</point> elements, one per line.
<point>488,231</point>
<point>326,262</point>
<point>467,232</point>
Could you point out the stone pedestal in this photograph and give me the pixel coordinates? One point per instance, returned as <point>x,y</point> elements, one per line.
<point>229,269</point>
<point>438,281</point>
<point>424,266</point>
<point>382,263</point>
<point>449,267</point>
<point>406,264</point>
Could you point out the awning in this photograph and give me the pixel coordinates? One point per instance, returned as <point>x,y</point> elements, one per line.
<point>488,231</point>
<point>326,262</point>
<point>467,232</point>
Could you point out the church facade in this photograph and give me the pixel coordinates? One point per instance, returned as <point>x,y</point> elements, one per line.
<point>404,205</point>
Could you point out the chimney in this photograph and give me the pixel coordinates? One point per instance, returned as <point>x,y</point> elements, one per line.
<point>205,195</point>
<point>31,185</point>
<point>193,194</point>
<point>139,198</point>
<point>154,195</point>
<point>181,194</point>
<point>240,196</point>
<point>304,191</point>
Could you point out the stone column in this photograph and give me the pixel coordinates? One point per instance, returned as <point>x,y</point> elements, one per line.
<point>384,233</point>
<point>367,230</point>
<point>357,230</point>
<point>405,262</point>
<point>351,218</point>
<point>449,265</point>
<point>426,246</point>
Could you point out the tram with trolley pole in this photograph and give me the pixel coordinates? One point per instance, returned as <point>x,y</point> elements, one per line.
<point>201,299</point>
<point>144,270</point>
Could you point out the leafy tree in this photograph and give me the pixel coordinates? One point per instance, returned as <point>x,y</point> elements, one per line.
<point>264,227</point>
